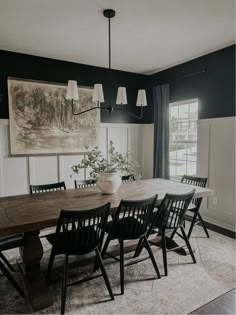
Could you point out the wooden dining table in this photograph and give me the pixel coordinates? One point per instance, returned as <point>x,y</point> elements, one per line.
<point>30,214</point>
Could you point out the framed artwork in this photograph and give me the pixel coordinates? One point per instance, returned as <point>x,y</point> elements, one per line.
<point>41,120</point>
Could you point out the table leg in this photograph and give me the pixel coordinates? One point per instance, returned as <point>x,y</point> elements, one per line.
<point>31,253</point>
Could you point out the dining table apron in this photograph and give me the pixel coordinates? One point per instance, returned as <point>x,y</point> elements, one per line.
<point>29,214</point>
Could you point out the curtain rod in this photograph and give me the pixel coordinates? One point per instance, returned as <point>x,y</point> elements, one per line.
<point>194,73</point>
<point>187,76</point>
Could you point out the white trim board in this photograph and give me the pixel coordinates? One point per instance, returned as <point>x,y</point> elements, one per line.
<point>51,168</point>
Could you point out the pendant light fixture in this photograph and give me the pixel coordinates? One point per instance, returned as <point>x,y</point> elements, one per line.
<point>98,97</point>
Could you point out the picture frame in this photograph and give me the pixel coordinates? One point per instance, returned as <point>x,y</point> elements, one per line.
<point>41,120</point>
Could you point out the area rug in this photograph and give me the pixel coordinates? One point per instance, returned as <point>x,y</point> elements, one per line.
<point>187,287</point>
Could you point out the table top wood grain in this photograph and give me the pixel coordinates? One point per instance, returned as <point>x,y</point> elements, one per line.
<point>25,213</point>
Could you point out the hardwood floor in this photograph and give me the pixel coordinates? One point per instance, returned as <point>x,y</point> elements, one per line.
<point>225,304</point>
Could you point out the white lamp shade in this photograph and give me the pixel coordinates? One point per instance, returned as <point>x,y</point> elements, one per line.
<point>72,91</point>
<point>121,98</point>
<point>98,93</point>
<point>141,98</point>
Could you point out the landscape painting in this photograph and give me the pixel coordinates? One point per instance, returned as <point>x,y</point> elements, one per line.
<point>41,120</point>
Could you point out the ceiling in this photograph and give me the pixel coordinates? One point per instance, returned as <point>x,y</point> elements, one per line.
<point>147,35</point>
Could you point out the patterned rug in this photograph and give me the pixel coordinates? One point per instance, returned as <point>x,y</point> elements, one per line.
<point>187,287</point>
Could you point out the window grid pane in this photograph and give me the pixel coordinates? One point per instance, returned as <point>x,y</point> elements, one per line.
<point>183,139</point>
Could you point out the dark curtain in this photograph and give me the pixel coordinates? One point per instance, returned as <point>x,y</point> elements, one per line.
<point>161,131</point>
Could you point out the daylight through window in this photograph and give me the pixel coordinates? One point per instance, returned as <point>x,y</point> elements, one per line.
<point>183,138</point>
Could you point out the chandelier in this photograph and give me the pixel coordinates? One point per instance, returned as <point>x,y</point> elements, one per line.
<point>98,97</point>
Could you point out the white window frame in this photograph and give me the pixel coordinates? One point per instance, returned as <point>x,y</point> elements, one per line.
<point>195,100</point>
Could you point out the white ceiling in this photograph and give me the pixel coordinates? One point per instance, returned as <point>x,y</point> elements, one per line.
<point>147,35</point>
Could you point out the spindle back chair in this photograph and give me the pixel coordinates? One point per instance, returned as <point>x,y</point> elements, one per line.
<point>170,216</point>
<point>36,189</point>
<point>195,204</point>
<point>85,183</point>
<point>127,178</point>
<point>131,221</point>
<point>79,233</point>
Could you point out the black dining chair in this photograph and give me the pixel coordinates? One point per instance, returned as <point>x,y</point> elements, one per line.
<point>128,178</point>
<point>36,189</point>
<point>7,243</point>
<point>131,222</point>
<point>79,233</point>
<point>85,183</point>
<point>195,204</point>
<point>170,216</point>
<point>47,188</point>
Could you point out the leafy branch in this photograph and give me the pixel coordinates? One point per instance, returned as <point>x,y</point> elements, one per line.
<point>115,162</point>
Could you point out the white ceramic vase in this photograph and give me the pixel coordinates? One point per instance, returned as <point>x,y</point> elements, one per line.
<point>109,183</point>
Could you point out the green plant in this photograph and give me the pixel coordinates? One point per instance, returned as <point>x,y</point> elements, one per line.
<point>115,162</point>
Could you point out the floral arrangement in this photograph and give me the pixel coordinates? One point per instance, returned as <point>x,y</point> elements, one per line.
<point>115,162</point>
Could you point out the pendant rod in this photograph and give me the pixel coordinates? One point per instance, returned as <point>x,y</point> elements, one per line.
<point>109,13</point>
<point>109,43</point>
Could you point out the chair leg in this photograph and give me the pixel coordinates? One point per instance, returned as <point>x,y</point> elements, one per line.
<point>104,249</point>
<point>50,264</point>
<point>104,273</point>
<point>163,246</point>
<point>148,247</point>
<point>138,248</point>
<point>172,235</point>
<point>192,224</point>
<point>6,262</point>
<point>96,262</point>
<point>64,283</point>
<point>188,244</point>
<point>122,266</point>
<point>11,279</point>
<point>203,225</point>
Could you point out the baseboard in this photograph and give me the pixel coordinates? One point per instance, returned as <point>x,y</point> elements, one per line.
<point>219,223</point>
<point>219,229</point>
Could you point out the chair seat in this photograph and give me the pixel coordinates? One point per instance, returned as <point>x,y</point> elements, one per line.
<point>192,208</point>
<point>11,242</point>
<point>70,243</point>
<point>124,227</point>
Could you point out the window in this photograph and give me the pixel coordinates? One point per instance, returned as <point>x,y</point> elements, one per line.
<point>183,138</point>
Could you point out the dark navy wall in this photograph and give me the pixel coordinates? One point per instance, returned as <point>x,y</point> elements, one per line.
<point>45,69</point>
<point>215,89</point>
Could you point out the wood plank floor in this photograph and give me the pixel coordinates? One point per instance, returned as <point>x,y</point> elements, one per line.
<point>225,304</point>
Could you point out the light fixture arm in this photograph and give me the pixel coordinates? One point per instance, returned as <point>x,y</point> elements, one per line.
<point>104,108</point>
<point>84,111</point>
<point>136,116</point>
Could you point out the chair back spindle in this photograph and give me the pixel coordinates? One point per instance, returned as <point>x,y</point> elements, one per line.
<point>127,178</point>
<point>85,183</point>
<point>171,212</point>
<point>133,217</point>
<point>80,232</point>
<point>36,189</point>
<point>196,181</point>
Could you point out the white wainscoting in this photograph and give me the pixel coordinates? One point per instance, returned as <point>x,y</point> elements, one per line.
<point>216,160</point>
<point>17,173</point>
